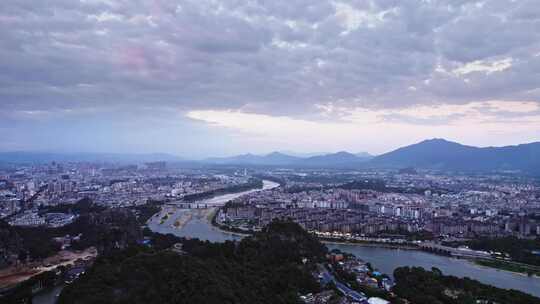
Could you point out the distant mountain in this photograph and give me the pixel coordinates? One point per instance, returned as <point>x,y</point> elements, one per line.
<point>303,154</point>
<point>447,155</point>
<point>428,154</point>
<point>237,159</point>
<point>339,159</point>
<point>364,155</point>
<point>280,158</point>
<point>46,157</point>
<point>272,159</point>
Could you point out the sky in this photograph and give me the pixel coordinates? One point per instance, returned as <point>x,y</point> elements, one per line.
<point>202,78</point>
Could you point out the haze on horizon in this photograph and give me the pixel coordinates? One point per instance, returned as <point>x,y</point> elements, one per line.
<point>202,78</point>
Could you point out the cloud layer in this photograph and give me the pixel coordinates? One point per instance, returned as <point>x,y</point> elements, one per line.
<point>119,65</point>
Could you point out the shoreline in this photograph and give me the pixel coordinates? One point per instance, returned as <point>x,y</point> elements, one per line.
<point>478,262</point>
<point>367,244</point>
<point>325,241</point>
<point>209,215</point>
<point>212,221</point>
<point>204,196</point>
<point>322,240</point>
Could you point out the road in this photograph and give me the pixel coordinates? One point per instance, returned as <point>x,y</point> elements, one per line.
<point>327,277</point>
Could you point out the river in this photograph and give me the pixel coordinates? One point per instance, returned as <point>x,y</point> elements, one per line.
<point>196,224</point>
<point>384,259</point>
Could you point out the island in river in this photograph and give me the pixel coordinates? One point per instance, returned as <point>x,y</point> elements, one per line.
<point>195,223</point>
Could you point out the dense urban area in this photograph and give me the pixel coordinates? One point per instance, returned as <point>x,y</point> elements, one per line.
<point>68,223</point>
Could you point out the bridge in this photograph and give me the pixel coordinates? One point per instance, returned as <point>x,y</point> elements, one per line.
<point>192,205</point>
<point>455,252</point>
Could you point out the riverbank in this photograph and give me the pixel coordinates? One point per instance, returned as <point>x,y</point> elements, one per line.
<point>369,244</point>
<point>521,269</point>
<point>251,185</point>
<point>493,264</point>
<point>177,218</point>
<point>227,229</point>
<point>387,260</point>
<point>387,257</point>
<point>200,223</point>
<point>508,266</point>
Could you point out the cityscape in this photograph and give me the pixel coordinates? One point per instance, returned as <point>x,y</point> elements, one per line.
<point>270,152</point>
<point>489,219</point>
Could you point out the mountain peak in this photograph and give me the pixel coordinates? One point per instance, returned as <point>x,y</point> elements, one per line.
<point>276,153</point>
<point>364,155</point>
<point>343,153</point>
<point>438,153</point>
<point>437,141</point>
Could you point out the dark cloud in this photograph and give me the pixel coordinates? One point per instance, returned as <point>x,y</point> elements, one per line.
<point>269,57</point>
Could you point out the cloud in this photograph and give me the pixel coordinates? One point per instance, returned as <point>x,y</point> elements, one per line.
<point>481,66</point>
<point>271,58</point>
<point>475,122</point>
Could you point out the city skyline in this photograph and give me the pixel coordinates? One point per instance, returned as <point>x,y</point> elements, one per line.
<point>209,78</point>
<point>259,151</point>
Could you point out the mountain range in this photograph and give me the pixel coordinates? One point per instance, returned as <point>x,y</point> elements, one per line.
<point>428,154</point>
<point>447,155</point>
<point>339,159</point>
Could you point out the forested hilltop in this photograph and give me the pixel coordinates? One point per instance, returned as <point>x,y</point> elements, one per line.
<point>273,266</point>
